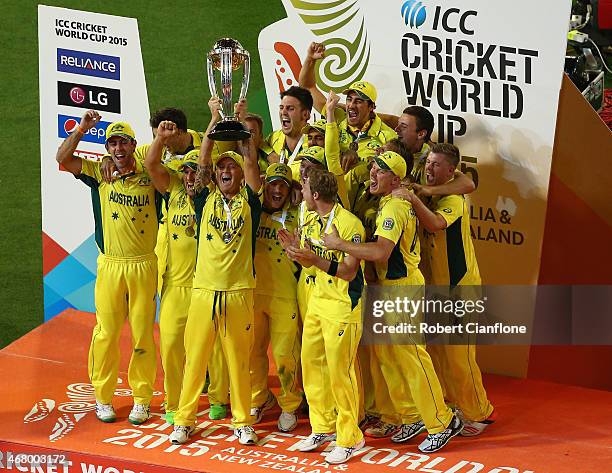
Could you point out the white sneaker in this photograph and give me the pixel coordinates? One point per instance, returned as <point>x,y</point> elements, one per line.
<point>381,429</point>
<point>472,428</point>
<point>343,454</point>
<point>105,412</point>
<point>287,421</point>
<point>314,441</point>
<point>408,431</point>
<point>435,442</point>
<point>180,434</point>
<point>139,414</point>
<point>258,412</point>
<point>246,435</point>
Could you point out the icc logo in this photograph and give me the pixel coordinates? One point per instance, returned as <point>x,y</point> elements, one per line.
<point>414,13</point>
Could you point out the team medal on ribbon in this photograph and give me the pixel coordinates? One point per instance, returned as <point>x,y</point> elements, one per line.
<point>227,236</point>
<point>190,231</point>
<point>354,145</point>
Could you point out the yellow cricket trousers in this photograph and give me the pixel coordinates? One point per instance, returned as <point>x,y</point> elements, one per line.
<point>305,285</point>
<point>329,353</point>
<point>172,320</point>
<point>218,388</point>
<point>276,323</point>
<point>229,316</point>
<point>125,289</point>
<point>404,377</point>
<point>456,365</point>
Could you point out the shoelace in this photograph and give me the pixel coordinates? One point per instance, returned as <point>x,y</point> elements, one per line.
<point>318,437</point>
<point>409,428</point>
<point>439,439</point>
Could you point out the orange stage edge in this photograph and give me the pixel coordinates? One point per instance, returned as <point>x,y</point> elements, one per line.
<point>47,415</point>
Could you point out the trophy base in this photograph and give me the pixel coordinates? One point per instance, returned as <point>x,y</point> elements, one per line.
<point>229,130</point>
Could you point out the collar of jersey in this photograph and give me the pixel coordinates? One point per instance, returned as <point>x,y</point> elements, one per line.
<point>374,126</point>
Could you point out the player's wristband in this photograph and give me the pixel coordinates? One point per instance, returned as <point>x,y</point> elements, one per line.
<point>333,268</point>
<point>80,130</point>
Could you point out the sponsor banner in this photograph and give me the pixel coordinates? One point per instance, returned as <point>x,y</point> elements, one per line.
<point>88,64</point>
<point>86,60</point>
<point>89,96</point>
<point>66,124</point>
<point>490,76</point>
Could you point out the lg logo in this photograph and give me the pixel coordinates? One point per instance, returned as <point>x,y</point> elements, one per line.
<point>77,95</point>
<point>89,96</point>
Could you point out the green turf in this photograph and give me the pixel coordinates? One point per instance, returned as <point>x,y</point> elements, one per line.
<point>175,37</point>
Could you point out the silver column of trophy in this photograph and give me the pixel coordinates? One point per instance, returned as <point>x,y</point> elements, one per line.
<point>226,56</point>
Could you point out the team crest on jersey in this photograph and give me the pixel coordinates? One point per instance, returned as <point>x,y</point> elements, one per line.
<point>374,144</point>
<point>447,210</point>
<point>388,224</point>
<point>182,201</point>
<point>144,181</point>
<point>356,238</point>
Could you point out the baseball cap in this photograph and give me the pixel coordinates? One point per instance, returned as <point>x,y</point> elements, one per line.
<point>230,154</point>
<point>391,161</point>
<point>191,159</point>
<point>364,89</point>
<point>319,126</point>
<point>278,171</point>
<point>122,129</point>
<point>314,154</point>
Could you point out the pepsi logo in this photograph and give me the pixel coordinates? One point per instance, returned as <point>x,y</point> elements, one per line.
<point>70,125</point>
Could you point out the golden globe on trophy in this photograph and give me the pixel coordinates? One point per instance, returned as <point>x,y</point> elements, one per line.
<point>226,56</point>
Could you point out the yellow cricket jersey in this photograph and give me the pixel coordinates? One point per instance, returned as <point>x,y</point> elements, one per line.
<point>418,168</point>
<point>182,243</point>
<point>376,135</point>
<point>226,239</point>
<point>277,142</point>
<point>262,157</point>
<point>449,253</point>
<point>276,274</point>
<point>334,298</point>
<point>365,208</point>
<point>125,211</point>
<point>332,157</point>
<point>396,221</point>
<point>173,160</point>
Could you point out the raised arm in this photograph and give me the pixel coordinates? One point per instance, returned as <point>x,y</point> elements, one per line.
<point>249,152</point>
<point>65,153</point>
<point>307,79</point>
<point>332,136</point>
<point>206,148</point>
<point>155,168</point>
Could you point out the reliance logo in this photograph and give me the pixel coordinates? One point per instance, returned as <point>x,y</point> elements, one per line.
<point>88,64</point>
